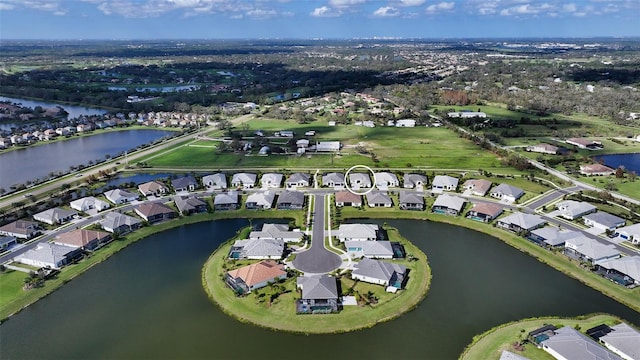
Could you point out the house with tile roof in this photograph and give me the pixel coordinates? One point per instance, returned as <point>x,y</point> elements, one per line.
<point>319,294</point>
<point>347,198</point>
<point>589,250</point>
<point>244,180</point>
<point>333,180</point>
<point>413,181</point>
<point>484,211</point>
<point>119,196</point>
<point>153,188</point>
<point>507,193</point>
<point>215,181</point>
<point>477,187</point>
<point>55,216</point>
<point>290,200</point>
<point>596,170</point>
<point>380,272</point>
<point>83,238</point>
<point>572,210</point>
<point>266,248</point>
<point>569,343</point>
<point>260,200</point>
<point>298,180</point>
<point>629,233</point>
<point>154,212</point>
<point>369,249</point>
<point>623,340</point>
<point>448,205</point>
<point>521,222</point>
<point>442,183</point>
<point>411,201</point>
<point>226,201</point>
<point>184,184</point>
<point>271,180</point>
<point>255,276</point>
<point>115,222</point>
<point>89,203</point>
<point>188,205</point>
<point>49,255</point>
<point>379,199</point>
<point>583,143</point>
<point>21,229</point>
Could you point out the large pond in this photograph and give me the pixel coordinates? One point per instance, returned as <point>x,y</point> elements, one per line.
<point>74,111</point>
<point>147,302</point>
<point>631,162</point>
<point>37,162</point>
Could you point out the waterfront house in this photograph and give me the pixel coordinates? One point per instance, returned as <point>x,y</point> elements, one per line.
<point>49,255</point>
<point>569,343</point>
<point>521,222</point>
<point>414,181</point>
<point>484,211</point>
<point>255,276</point>
<point>297,180</point>
<point>442,183</point>
<point>278,232</point>
<point>551,236</point>
<point>379,199</point>
<point>115,222</point>
<point>215,181</point>
<point>359,180</point>
<point>119,196</point>
<point>260,200</point>
<point>319,294</point>
<point>507,193</point>
<point>188,205</point>
<point>380,272</point>
<point>572,210</point>
<point>83,238</point>
<point>290,200</point>
<point>477,187</point>
<point>243,180</point>
<point>603,221</point>
<point>226,201</point>
<point>89,203</point>
<point>448,205</point>
<point>583,143</point>
<point>7,242</point>
<point>153,188</point>
<point>358,232</point>
<point>596,170</point>
<point>624,270</point>
<point>623,340</point>
<point>385,180</point>
<point>370,249</point>
<point>629,233</point>
<point>257,249</point>
<point>347,198</point>
<point>21,229</point>
<point>333,180</point>
<point>271,180</point>
<point>590,250</point>
<point>184,184</point>
<point>55,216</point>
<point>411,201</point>
<point>154,212</point>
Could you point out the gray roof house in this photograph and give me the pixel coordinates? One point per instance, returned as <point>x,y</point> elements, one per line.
<point>628,233</point>
<point>571,209</point>
<point>120,223</point>
<point>444,183</point>
<point>50,255</point>
<point>590,250</point>
<point>260,200</point>
<point>257,249</point>
<point>297,180</point>
<point>55,216</point>
<point>277,231</point>
<point>333,180</point>
<point>626,266</point>
<point>215,181</point>
<point>411,201</point>
<point>226,201</point>
<point>89,203</point>
<point>448,204</point>
<point>7,241</point>
<point>380,272</point>
<point>385,180</point>
<point>412,181</point>
<point>183,184</point>
<point>244,180</point>
<point>290,200</point>
<point>359,232</point>
<point>507,193</point>
<point>359,180</point>
<point>623,340</point>
<point>119,196</point>
<point>552,236</point>
<point>379,199</point>
<point>603,221</point>
<point>478,187</point>
<point>569,343</point>
<point>188,205</point>
<point>22,229</point>
<point>369,249</point>
<point>518,222</point>
<point>319,294</point>
<point>271,180</point>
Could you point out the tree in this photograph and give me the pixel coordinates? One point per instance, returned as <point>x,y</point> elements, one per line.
<point>619,173</point>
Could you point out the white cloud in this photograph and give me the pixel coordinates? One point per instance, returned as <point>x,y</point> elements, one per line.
<point>53,6</point>
<point>570,8</point>
<point>386,11</point>
<point>261,13</point>
<point>345,3</point>
<point>412,2</point>
<point>5,6</point>
<point>440,7</point>
<point>325,11</point>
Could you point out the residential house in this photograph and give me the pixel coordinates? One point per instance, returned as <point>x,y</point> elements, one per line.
<point>484,211</point>
<point>477,187</point>
<point>590,250</point>
<point>572,210</point>
<point>444,183</point>
<point>552,236</point>
<point>154,212</point>
<point>583,143</point>
<point>568,343</point>
<point>115,222</point>
<point>297,180</point>
<point>319,294</point>
<point>405,123</point>
<point>333,180</point>
<point>226,201</point>
<point>89,203</point>
<point>624,270</point>
<point>188,205</point>
<point>544,148</point>
<point>380,272</point>
<point>347,198</point>
<point>153,188</point>
<point>55,216</point>
<point>359,180</point>
<point>385,180</point>
<point>243,180</point>
<point>627,233</point>
<point>508,355</point>
<point>328,146</point>
<point>623,340</point>
<point>251,277</point>
<point>414,181</point>
<point>379,199</point>
<point>215,181</point>
<point>49,255</point>
<point>119,196</point>
<point>83,238</point>
<point>22,229</point>
<point>448,205</point>
<point>358,232</point>
<point>260,200</point>
<point>370,249</point>
<point>7,241</point>
<point>278,232</point>
<point>507,193</point>
<point>467,114</point>
<point>271,180</point>
<point>184,184</point>
<point>603,221</point>
<point>290,200</point>
<point>411,201</point>
<point>257,249</point>
<point>521,222</point>
<point>596,170</point>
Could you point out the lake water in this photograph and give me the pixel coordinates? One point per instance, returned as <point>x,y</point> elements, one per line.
<point>33,162</point>
<point>74,111</point>
<point>147,302</point>
<point>631,162</point>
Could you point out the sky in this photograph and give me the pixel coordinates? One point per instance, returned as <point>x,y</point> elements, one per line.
<point>316,19</point>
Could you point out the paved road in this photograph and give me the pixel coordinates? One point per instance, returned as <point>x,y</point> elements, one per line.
<point>551,196</point>
<point>317,259</point>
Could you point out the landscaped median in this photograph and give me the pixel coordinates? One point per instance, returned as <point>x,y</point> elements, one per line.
<point>274,306</point>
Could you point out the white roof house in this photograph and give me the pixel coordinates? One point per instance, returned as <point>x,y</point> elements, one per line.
<point>333,180</point>
<point>55,216</point>
<point>467,114</point>
<point>571,209</point>
<point>357,232</point>
<point>444,182</point>
<point>405,123</point>
<point>257,249</point>
<point>519,221</point>
<point>603,221</point>
<point>297,180</point>
<point>119,196</point>
<point>627,265</point>
<point>569,343</point>
<point>271,180</point>
<point>553,236</point>
<point>121,223</point>
<point>369,249</point>
<point>590,250</point>
<point>379,272</point>
<point>385,180</point>
<point>624,341</point>
<point>277,231</point>
<point>244,180</point>
<point>215,181</point>
<point>89,203</point>
<point>260,200</point>
<point>50,255</point>
<point>359,180</point>
<point>328,146</point>
<point>448,204</point>
<point>629,233</point>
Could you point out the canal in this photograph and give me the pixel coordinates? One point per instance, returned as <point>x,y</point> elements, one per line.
<point>147,302</point>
